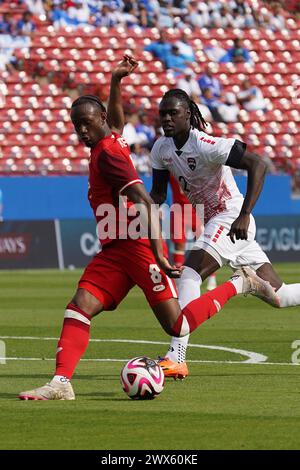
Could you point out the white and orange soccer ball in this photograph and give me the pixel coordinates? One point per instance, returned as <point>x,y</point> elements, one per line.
<point>142,378</point>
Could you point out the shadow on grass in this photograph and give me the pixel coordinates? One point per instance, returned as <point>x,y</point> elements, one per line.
<point>12,396</point>
<point>49,376</point>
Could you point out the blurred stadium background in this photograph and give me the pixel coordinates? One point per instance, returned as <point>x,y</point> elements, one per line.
<point>60,50</point>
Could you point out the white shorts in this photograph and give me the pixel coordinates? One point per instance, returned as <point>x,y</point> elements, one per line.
<point>217,243</point>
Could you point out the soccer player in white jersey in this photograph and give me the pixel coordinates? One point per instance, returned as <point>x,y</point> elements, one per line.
<point>201,163</point>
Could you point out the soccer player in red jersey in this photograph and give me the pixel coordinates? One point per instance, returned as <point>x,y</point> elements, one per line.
<point>123,261</point>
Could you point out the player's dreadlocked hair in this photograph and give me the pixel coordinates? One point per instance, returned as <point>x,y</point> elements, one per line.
<point>197,119</point>
<point>89,99</point>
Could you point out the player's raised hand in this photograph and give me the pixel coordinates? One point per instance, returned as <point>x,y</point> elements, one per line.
<point>125,67</point>
<point>170,270</point>
<point>239,228</point>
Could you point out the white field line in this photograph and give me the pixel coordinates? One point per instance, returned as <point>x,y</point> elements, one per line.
<point>127,359</point>
<point>252,357</point>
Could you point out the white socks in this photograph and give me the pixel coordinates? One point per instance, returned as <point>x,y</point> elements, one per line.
<point>238,282</point>
<point>177,348</point>
<point>188,286</point>
<point>188,290</point>
<point>289,295</point>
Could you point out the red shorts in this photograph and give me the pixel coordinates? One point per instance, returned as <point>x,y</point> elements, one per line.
<point>121,265</point>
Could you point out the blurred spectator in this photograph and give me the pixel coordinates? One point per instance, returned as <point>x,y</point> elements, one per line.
<point>185,49</point>
<point>105,17</point>
<point>129,131</point>
<point>237,53</point>
<point>25,26</point>
<point>141,159</point>
<point>130,18</point>
<point>241,6</point>
<point>165,17</point>
<point>221,18</point>
<point>229,110</point>
<point>175,61</point>
<point>251,97</point>
<point>214,53</point>
<point>128,6</point>
<point>79,12</point>
<point>237,19</point>
<point>6,24</point>
<point>145,131</point>
<point>277,20</point>
<point>144,18</point>
<point>161,48</point>
<point>212,103</point>
<point>207,80</point>
<point>188,83</point>
<point>198,14</point>
<point>36,7</point>
<point>58,16</point>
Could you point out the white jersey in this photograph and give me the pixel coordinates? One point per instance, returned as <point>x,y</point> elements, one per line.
<point>199,168</point>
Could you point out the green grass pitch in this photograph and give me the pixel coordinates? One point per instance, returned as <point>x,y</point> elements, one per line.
<point>225,403</point>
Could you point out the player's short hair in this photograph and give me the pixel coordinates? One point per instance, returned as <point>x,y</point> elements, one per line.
<point>89,99</point>
<point>197,120</point>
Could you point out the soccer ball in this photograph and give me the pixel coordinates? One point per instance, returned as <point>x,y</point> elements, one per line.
<point>142,378</point>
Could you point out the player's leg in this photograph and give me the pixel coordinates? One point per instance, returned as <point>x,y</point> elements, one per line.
<point>198,266</point>
<point>93,295</point>
<point>74,339</point>
<point>75,333</point>
<point>288,294</point>
<point>179,321</point>
<point>282,295</point>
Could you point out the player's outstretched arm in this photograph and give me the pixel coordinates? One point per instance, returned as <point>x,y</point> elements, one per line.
<point>256,169</point>
<point>115,113</point>
<point>149,216</point>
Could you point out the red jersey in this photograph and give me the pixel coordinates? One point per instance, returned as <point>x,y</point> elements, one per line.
<point>111,171</point>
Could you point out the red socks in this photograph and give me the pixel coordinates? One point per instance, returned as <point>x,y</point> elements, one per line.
<point>203,308</point>
<point>75,333</point>
<point>73,341</point>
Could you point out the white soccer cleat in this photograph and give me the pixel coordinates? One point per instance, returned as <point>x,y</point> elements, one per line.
<point>255,285</point>
<point>51,391</point>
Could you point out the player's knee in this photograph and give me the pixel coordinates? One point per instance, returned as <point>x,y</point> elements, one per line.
<point>176,330</point>
<point>87,302</point>
<point>170,328</point>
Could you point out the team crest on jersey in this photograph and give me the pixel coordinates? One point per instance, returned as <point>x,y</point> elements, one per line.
<point>191,163</point>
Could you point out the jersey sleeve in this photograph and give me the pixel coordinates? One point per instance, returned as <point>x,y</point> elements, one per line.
<point>221,151</point>
<point>236,153</point>
<point>118,171</point>
<point>156,158</point>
